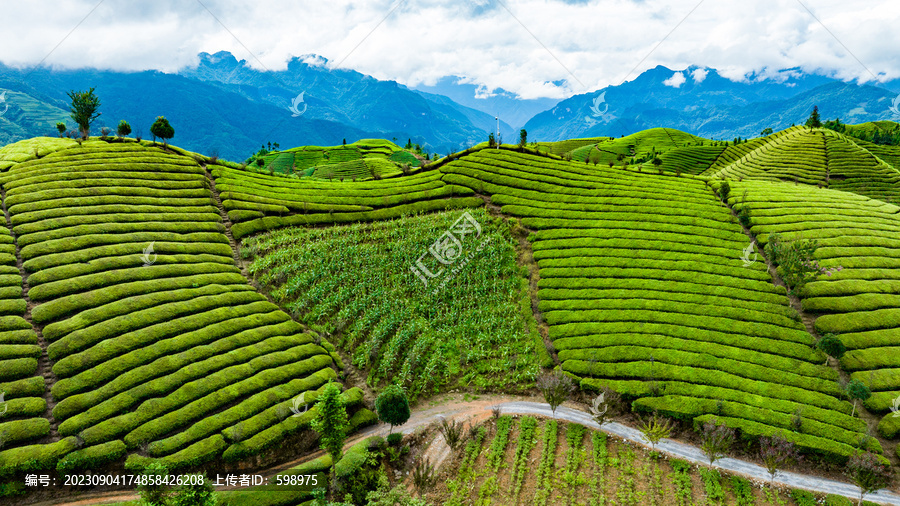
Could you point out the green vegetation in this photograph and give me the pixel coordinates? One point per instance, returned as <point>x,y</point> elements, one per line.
<point>392,406</point>
<point>464,328</point>
<point>858,304</point>
<point>84,110</point>
<point>365,159</point>
<point>154,348</point>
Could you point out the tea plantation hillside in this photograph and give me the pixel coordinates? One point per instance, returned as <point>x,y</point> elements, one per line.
<point>861,302</point>
<point>160,306</point>
<point>361,160</point>
<point>146,328</point>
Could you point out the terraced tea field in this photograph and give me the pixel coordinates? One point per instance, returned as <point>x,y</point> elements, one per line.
<point>644,290</point>
<point>159,306</point>
<point>150,327</point>
<point>365,159</point>
<point>858,303</point>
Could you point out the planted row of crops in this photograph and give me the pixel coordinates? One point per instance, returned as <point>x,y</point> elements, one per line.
<point>861,302</point>
<point>22,406</point>
<point>466,326</point>
<point>854,169</point>
<point>523,460</point>
<point>262,202</point>
<point>818,157</point>
<point>644,288</point>
<point>151,327</point>
<point>654,140</point>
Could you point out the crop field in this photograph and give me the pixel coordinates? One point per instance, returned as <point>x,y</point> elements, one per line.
<point>528,461</point>
<point>148,324</point>
<point>473,332</point>
<point>644,289</point>
<point>861,302</point>
<point>262,202</point>
<point>813,157</point>
<point>160,306</point>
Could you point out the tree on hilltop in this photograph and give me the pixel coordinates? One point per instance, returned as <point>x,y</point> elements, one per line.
<point>84,109</point>
<point>162,129</point>
<point>814,121</point>
<point>124,129</point>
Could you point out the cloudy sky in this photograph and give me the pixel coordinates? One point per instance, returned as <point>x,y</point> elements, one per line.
<point>536,48</point>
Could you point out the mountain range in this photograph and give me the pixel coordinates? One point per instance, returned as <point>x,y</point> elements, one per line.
<point>225,106</point>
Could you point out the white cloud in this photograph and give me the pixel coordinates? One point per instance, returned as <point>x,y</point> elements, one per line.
<point>421,41</point>
<point>698,75</point>
<point>676,80</point>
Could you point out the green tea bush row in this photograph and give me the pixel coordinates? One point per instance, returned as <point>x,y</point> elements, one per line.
<point>77,413</point>
<point>738,348</point>
<point>68,305</point>
<point>54,267</point>
<point>135,330</point>
<point>662,372</point>
<point>136,303</point>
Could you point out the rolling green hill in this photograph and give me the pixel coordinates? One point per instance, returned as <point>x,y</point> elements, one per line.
<point>362,160</point>
<point>130,331</point>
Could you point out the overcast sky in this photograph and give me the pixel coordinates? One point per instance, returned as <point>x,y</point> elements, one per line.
<point>549,48</point>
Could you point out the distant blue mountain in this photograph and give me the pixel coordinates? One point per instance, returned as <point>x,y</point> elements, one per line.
<point>225,106</point>
<point>702,102</point>
<point>513,111</point>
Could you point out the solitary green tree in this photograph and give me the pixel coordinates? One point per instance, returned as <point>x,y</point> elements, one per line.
<point>832,346</point>
<point>123,129</point>
<point>523,138</point>
<point>84,110</point>
<point>392,406</point>
<point>858,391</point>
<point>766,131</point>
<point>868,473</point>
<point>556,387</point>
<point>61,128</point>
<point>814,121</point>
<point>331,421</point>
<point>655,429</point>
<point>492,142</point>
<point>162,129</point>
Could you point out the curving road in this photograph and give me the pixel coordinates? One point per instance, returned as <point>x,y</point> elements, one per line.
<point>481,409</point>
